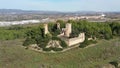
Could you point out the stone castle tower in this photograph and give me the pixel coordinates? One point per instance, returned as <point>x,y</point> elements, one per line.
<point>46,29</point>
<point>68,30</point>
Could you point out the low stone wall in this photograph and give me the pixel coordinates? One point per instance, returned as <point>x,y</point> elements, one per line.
<point>76,40</point>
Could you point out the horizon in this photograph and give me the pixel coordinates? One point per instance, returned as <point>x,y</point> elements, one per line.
<point>63,5</point>
<point>54,10</point>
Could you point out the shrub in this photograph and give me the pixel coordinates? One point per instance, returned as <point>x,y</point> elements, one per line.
<point>54,49</point>
<point>107,36</point>
<point>15,28</point>
<point>47,49</point>
<point>63,44</point>
<point>29,41</point>
<point>86,43</point>
<point>57,49</point>
<point>115,63</point>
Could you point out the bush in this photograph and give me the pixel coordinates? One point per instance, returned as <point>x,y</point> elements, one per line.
<point>107,36</point>
<point>57,49</point>
<point>86,43</point>
<point>15,28</point>
<point>115,63</point>
<point>63,44</point>
<point>13,32</point>
<point>29,41</point>
<point>43,42</point>
<point>47,49</point>
<point>54,49</point>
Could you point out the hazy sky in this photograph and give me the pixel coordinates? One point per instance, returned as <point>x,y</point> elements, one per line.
<point>62,5</point>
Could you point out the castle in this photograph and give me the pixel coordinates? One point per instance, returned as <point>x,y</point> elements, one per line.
<point>65,34</point>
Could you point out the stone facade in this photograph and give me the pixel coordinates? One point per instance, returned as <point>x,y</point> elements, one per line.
<point>67,30</point>
<point>76,40</point>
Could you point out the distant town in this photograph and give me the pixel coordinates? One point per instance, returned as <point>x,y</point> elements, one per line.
<point>13,17</point>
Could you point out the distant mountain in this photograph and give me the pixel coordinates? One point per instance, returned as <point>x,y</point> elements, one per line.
<point>25,12</point>
<point>10,11</point>
<point>19,11</point>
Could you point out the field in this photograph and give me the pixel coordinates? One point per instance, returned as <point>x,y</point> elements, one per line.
<point>13,55</point>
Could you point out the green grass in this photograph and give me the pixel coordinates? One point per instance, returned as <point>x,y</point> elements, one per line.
<point>13,55</point>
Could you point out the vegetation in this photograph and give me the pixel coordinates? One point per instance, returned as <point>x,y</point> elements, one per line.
<point>91,29</point>
<point>29,41</point>
<point>47,49</point>
<point>115,63</point>
<point>12,33</point>
<point>15,32</point>
<point>115,27</point>
<point>12,55</point>
<point>54,49</point>
<point>87,42</point>
<point>35,34</point>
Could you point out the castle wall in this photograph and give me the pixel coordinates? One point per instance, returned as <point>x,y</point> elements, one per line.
<point>77,40</point>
